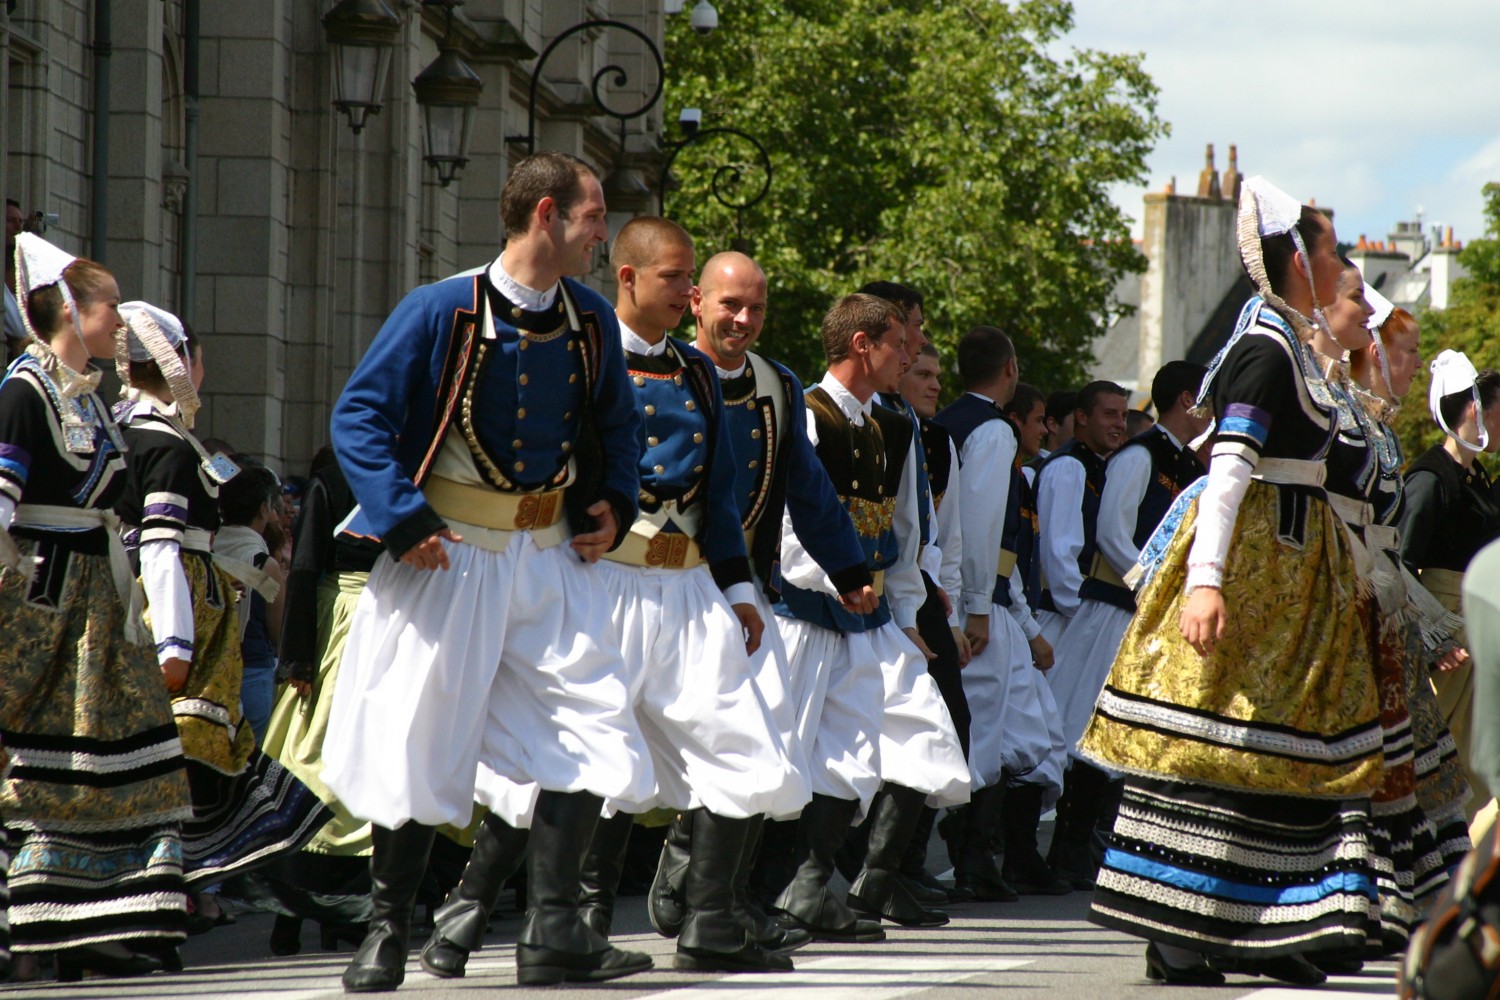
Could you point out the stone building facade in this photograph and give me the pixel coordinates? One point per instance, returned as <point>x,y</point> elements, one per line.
<point>243,200</point>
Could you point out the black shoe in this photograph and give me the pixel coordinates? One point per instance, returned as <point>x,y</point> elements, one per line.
<point>459,924</point>
<point>74,962</point>
<point>1200,974</point>
<point>664,903</point>
<point>778,937</point>
<point>879,894</point>
<point>286,935</point>
<point>924,888</point>
<point>397,864</point>
<point>751,958</point>
<point>1075,879</point>
<point>1343,962</point>
<point>538,965</point>
<point>1292,969</point>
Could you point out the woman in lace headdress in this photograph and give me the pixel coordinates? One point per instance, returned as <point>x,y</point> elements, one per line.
<point>96,789</point>
<point>1242,706</point>
<point>247,809</point>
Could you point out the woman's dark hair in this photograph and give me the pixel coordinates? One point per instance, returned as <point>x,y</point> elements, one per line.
<point>241,498</point>
<point>1452,405</point>
<point>1279,250</point>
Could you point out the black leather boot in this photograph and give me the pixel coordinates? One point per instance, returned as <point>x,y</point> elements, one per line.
<point>599,879</point>
<point>807,902</point>
<point>879,890</point>
<point>715,936</point>
<point>397,864</point>
<point>924,887</point>
<point>664,903</point>
<point>1025,868</point>
<point>980,872</point>
<point>1084,800</point>
<point>772,934</point>
<point>555,943</point>
<point>459,924</point>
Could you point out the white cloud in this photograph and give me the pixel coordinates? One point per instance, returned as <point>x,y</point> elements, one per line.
<point>1374,108</point>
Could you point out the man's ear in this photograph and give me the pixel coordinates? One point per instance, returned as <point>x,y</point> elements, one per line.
<point>546,211</point>
<point>625,276</point>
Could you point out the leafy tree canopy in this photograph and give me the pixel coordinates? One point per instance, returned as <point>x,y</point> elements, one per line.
<point>959,146</point>
<point>1471,324</point>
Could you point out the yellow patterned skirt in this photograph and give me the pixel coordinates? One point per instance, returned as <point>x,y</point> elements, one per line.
<point>1288,701</point>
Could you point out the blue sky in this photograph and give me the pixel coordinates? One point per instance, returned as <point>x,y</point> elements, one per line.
<point>1375,108</point>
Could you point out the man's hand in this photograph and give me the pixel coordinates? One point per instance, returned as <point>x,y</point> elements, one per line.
<point>751,622</point>
<point>977,628</point>
<point>593,544</point>
<point>303,688</point>
<point>860,602</point>
<point>965,651</point>
<point>1451,660</point>
<point>1202,621</point>
<point>1041,653</point>
<point>174,671</point>
<point>916,640</point>
<point>429,553</point>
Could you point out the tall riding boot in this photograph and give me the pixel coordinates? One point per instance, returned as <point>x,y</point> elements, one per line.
<point>664,903</point>
<point>499,849</point>
<point>776,864</point>
<point>924,888</point>
<point>555,943</point>
<point>397,864</point>
<point>772,934</point>
<point>980,873</point>
<point>600,876</point>
<point>1085,797</point>
<point>808,902</point>
<point>714,938</point>
<point>879,890</point>
<point>1025,868</point>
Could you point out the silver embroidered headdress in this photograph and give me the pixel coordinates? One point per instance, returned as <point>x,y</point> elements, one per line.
<point>153,334</point>
<point>1383,308</point>
<point>1266,210</point>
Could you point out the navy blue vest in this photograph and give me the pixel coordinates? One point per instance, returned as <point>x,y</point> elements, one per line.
<point>895,402</point>
<point>960,419</point>
<point>1093,479</point>
<point>865,465</point>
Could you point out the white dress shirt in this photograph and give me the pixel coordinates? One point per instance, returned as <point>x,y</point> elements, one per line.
<point>1060,510</point>
<point>1120,503</point>
<point>526,297</point>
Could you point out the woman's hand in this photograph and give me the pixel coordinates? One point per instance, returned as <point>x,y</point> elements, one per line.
<point>174,670</point>
<point>1203,618</point>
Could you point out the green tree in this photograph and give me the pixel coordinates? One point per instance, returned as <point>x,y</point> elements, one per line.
<point>960,147</point>
<point>1470,324</point>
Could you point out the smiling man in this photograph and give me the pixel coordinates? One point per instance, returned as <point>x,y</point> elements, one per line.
<point>491,439</point>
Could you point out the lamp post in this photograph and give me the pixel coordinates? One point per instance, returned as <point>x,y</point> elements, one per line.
<point>362,34</point>
<point>727,177</point>
<point>448,92</point>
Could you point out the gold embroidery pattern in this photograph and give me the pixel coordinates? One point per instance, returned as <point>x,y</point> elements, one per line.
<point>1296,654</point>
<point>871,518</point>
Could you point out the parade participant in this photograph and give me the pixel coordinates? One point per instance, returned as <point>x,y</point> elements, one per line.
<point>490,420</point>
<point>1061,405</point>
<point>992,496</point>
<point>871,717</point>
<point>1141,480</point>
<point>1027,411</point>
<point>96,789</point>
<point>777,473</point>
<point>247,809</point>
<point>1242,706</point>
<point>938,621</point>
<point>1450,513</point>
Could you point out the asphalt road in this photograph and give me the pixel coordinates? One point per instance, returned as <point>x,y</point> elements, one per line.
<point>1038,947</point>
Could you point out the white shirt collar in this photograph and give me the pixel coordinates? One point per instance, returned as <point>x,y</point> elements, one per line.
<point>983,397</point>
<point>636,344</point>
<point>725,374</point>
<point>527,298</point>
<point>855,410</point>
<point>1170,437</point>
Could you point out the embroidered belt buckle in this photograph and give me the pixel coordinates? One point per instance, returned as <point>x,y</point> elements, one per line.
<point>667,550</point>
<point>538,510</point>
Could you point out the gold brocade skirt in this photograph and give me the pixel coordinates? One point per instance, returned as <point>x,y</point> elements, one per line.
<point>1288,702</point>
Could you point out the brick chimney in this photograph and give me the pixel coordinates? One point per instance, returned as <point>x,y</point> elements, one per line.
<point>1208,180</point>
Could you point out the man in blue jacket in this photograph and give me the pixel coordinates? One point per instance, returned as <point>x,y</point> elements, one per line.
<point>490,437</point>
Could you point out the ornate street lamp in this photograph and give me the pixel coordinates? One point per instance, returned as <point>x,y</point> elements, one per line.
<point>728,178</point>
<point>362,34</point>
<point>448,92</point>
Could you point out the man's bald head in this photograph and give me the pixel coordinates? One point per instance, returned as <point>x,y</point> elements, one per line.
<point>730,307</point>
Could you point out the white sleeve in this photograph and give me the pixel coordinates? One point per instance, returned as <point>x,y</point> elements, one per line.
<point>988,453</point>
<point>903,581</point>
<point>1060,509</point>
<point>951,535</point>
<point>7,511</point>
<point>1218,506</point>
<point>168,599</point>
<point>1125,482</point>
<point>740,593</point>
<point>1020,610</point>
<point>798,568</point>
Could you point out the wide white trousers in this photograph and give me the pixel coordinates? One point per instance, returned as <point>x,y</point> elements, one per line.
<point>987,683</point>
<point>919,746</point>
<point>1083,659</point>
<point>507,660</point>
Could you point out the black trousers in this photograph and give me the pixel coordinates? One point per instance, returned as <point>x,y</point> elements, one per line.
<point>932,625</point>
